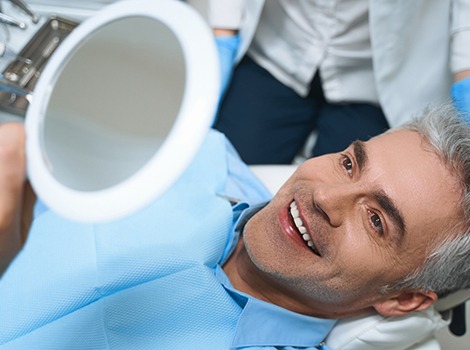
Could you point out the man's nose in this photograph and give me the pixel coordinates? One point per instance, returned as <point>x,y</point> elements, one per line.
<point>335,201</point>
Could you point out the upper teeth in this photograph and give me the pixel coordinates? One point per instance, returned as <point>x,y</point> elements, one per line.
<point>300,225</point>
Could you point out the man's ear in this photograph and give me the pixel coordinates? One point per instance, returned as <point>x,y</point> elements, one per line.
<point>406,302</point>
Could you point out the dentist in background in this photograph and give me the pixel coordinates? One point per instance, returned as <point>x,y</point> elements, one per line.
<point>344,69</point>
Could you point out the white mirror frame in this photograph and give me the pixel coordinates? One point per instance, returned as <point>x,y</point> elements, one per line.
<point>196,115</point>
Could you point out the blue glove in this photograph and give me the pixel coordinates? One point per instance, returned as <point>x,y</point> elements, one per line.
<point>227,48</point>
<point>460,93</point>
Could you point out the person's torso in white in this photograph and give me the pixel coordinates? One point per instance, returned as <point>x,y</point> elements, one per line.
<point>296,38</point>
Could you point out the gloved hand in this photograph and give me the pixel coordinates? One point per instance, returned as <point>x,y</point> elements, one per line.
<point>460,93</point>
<point>227,48</point>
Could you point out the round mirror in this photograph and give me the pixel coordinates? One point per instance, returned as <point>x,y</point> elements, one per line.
<point>113,103</point>
<point>121,109</point>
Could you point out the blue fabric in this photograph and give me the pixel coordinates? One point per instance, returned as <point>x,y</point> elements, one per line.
<point>39,208</point>
<point>274,325</point>
<point>144,282</point>
<point>241,183</point>
<point>263,324</point>
<point>460,93</point>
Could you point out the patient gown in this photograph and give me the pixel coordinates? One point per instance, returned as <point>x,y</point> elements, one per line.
<point>99,286</point>
<point>143,282</point>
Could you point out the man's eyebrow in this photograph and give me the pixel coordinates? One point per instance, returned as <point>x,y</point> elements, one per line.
<point>360,154</point>
<point>385,202</point>
<point>392,211</point>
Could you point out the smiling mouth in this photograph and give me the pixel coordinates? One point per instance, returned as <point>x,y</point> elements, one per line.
<point>301,230</point>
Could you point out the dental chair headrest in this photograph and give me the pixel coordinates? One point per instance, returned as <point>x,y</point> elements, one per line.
<point>452,300</point>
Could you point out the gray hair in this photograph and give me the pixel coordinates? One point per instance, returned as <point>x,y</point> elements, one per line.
<point>447,267</point>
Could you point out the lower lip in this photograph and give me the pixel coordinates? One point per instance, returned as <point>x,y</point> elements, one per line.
<point>289,229</point>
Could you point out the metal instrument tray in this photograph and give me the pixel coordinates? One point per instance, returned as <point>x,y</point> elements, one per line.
<point>39,49</point>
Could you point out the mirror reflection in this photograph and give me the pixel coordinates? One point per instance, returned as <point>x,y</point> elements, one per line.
<point>114,101</point>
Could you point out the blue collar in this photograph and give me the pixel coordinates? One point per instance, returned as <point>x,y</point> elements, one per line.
<point>265,324</point>
<point>262,323</point>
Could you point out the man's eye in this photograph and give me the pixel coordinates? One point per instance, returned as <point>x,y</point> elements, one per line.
<point>376,222</point>
<point>347,164</point>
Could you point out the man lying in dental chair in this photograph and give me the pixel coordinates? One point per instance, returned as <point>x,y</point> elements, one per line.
<point>382,227</point>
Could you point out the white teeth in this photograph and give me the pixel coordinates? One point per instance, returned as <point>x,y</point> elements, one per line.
<point>294,211</point>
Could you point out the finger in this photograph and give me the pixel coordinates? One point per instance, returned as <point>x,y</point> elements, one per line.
<point>12,179</point>
<point>29,199</point>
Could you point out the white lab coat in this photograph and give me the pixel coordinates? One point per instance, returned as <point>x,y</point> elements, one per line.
<point>417,48</point>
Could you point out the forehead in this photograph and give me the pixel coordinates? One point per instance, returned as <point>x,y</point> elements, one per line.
<point>419,182</point>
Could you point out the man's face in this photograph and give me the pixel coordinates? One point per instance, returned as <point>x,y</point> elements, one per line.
<point>362,219</point>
